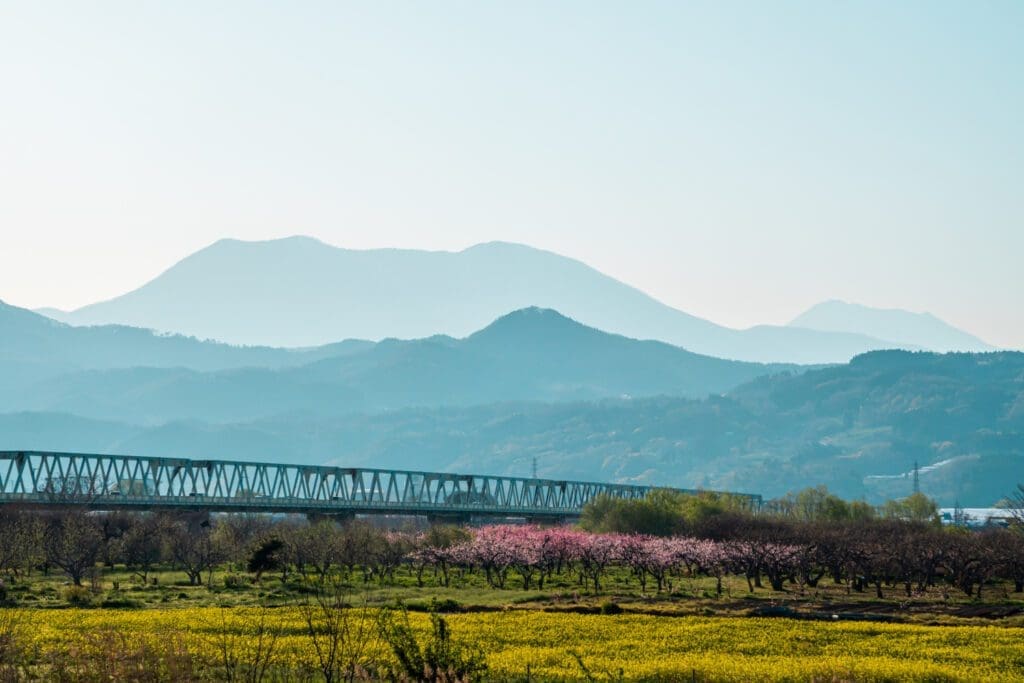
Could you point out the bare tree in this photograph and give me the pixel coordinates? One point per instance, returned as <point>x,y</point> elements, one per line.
<point>240,534</point>
<point>192,545</point>
<point>344,639</point>
<point>248,655</point>
<point>142,545</point>
<point>315,548</point>
<point>21,541</point>
<point>1007,546</point>
<point>968,561</point>
<point>73,542</point>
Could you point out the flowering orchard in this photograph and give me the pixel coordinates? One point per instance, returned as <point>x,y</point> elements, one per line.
<point>882,554</point>
<point>534,554</point>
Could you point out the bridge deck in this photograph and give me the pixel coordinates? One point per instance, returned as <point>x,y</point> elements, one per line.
<point>133,482</point>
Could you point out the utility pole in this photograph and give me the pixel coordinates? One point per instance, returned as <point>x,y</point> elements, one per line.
<point>535,467</point>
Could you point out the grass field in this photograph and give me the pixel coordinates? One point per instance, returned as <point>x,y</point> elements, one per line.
<point>118,588</point>
<point>558,646</point>
<point>167,629</point>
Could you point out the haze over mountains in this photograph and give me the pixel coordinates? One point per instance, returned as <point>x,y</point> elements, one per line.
<point>858,428</point>
<point>298,292</point>
<point>34,347</point>
<point>922,330</point>
<point>532,382</point>
<point>120,373</point>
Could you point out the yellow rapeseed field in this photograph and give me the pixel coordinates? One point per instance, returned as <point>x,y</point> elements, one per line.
<point>559,646</point>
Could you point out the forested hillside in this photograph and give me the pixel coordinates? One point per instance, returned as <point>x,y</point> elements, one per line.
<point>858,428</point>
<point>132,375</point>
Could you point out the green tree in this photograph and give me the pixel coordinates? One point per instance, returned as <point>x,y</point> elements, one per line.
<point>914,508</point>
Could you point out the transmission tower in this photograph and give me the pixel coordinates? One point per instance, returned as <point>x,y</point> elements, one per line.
<point>917,478</point>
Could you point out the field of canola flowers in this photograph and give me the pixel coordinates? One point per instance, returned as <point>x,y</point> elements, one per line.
<point>566,647</point>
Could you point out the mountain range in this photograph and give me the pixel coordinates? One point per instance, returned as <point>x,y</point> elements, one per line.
<point>859,428</point>
<point>507,383</point>
<point>111,372</point>
<point>34,347</point>
<point>300,292</point>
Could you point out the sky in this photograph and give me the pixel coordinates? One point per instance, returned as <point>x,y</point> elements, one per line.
<point>740,161</point>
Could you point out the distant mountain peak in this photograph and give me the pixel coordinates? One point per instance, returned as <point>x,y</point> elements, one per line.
<point>501,245</point>
<point>532,322</point>
<point>844,305</point>
<point>288,239</point>
<point>909,328</point>
<point>298,292</point>
<point>534,314</point>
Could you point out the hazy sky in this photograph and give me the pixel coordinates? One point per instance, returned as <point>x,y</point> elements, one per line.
<point>740,161</point>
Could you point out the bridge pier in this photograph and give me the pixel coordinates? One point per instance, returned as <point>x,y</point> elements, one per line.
<point>449,519</point>
<point>343,517</point>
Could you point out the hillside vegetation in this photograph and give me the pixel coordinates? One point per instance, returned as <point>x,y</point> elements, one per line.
<point>858,428</point>
<point>126,374</point>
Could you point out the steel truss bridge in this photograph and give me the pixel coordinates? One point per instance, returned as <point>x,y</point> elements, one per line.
<point>110,482</point>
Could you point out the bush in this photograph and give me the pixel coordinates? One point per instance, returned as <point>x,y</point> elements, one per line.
<point>79,596</point>
<point>111,655</point>
<point>443,606</point>
<point>10,644</point>
<point>446,606</point>
<point>266,557</point>
<point>3,591</point>
<point>117,600</point>
<point>234,581</point>
<point>609,607</point>
<point>438,659</point>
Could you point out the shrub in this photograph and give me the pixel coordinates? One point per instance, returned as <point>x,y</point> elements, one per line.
<point>117,601</point>
<point>266,557</point>
<point>10,644</point>
<point>609,607</point>
<point>440,658</point>
<point>79,596</point>
<point>233,581</point>
<point>112,655</point>
<point>446,606</point>
<point>442,606</point>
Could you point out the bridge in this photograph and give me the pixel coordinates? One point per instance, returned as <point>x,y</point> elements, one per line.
<point>125,482</point>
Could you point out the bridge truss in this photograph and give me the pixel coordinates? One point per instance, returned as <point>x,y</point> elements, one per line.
<point>106,482</point>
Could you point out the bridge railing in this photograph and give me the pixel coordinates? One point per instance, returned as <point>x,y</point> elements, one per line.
<point>124,481</point>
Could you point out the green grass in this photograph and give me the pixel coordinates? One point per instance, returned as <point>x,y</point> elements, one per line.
<point>115,587</point>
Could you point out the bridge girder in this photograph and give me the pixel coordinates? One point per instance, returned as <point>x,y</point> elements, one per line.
<point>126,482</point>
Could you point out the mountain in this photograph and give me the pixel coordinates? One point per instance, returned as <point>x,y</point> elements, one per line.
<point>907,329</point>
<point>858,428</point>
<point>532,354</point>
<point>298,292</point>
<point>34,347</point>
